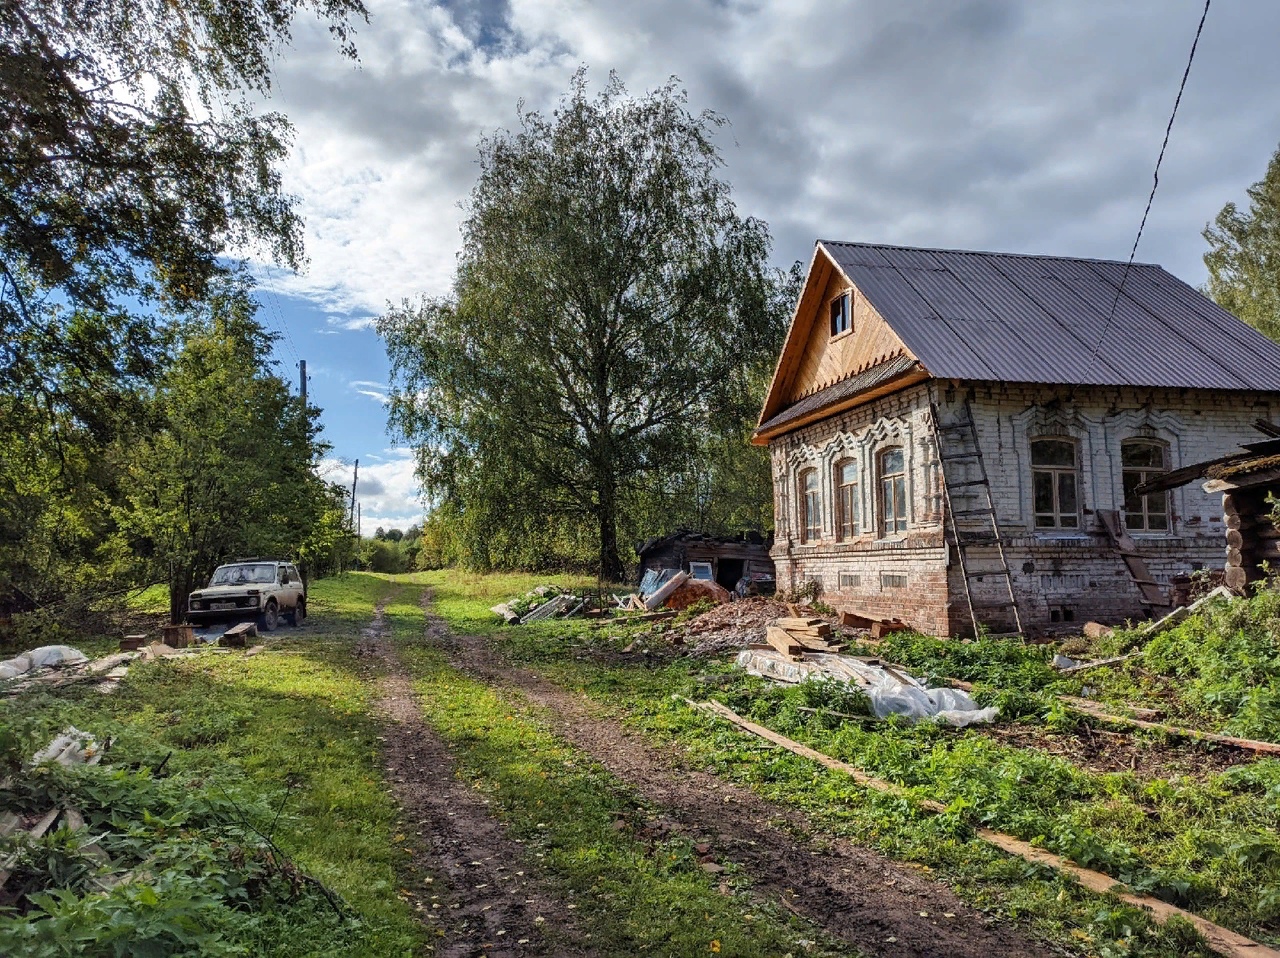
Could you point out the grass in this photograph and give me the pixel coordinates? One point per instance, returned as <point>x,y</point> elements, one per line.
<point>1207,843</point>
<point>291,725</point>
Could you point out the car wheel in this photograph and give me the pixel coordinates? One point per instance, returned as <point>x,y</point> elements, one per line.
<point>299,613</point>
<point>270,617</point>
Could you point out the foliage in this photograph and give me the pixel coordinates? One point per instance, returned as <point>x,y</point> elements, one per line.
<point>1244,255</point>
<point>272,731</point>
<point>609,320</point>
<point>229,467</point>
<point>134,167</point>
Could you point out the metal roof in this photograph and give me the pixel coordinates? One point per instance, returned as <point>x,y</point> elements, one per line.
<point>1043,319</point>
<point>869,377</point>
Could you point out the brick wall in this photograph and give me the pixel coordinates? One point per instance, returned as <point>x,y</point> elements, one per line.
<point>1059,576</point>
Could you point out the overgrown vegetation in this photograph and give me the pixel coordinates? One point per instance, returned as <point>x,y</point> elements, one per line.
<point>206,750</point>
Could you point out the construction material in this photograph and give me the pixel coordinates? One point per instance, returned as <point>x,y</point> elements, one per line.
<point>1085,666</point>
<point>178,636</point>
<point>237,637</point>
<point>1253,745</point>
<point>656,599</point>
<point>852,620</point>
<point>889,691</point>
<point>781,640</point>
<point>45,657</point>
<point>1177,615</point>
<point>554,605</point>
<point>131,643</point>
<point>1223,940</point>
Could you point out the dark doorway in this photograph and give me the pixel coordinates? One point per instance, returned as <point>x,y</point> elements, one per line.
<point>728,572</point>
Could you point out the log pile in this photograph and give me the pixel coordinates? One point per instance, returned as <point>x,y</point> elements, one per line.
<point>1251,537</point>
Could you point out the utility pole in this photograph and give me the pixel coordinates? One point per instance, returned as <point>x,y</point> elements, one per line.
<point>302,383</point>
<point>355,476</point>
<point>358,519</point>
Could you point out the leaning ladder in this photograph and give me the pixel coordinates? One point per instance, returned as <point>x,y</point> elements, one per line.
<point>967,432</point>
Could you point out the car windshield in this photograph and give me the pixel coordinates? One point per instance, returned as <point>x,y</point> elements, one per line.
<point>237,574</point>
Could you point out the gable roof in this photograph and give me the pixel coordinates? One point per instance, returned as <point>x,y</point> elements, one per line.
<point>1043,319</point>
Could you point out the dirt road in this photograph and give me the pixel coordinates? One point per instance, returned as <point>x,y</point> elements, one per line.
<point>854,895</point>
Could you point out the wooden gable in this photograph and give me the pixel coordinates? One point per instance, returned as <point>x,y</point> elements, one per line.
<point>812,359</point>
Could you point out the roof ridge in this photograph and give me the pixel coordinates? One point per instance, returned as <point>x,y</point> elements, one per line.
<point>979,252</point>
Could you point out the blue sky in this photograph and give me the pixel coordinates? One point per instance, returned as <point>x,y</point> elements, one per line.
<point>978,124</point>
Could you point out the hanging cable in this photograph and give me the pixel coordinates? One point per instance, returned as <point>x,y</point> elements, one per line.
<point>1155,182</point>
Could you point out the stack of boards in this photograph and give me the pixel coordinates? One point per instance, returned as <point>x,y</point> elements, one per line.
<point>794,637</point>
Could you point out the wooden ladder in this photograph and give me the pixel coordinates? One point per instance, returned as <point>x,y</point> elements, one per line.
<point>966,435</point>
<point>1152,595</point>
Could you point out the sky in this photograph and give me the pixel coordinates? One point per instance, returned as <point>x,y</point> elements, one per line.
<point>1026,126</point>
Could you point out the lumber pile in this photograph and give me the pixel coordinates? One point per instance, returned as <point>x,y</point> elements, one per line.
<point>795,636</point>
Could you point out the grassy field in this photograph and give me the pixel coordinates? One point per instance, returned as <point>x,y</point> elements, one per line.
<point>287,729</point>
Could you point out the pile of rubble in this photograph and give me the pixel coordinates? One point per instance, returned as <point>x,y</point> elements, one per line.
<point>661,595</point>
<point>733,626</point>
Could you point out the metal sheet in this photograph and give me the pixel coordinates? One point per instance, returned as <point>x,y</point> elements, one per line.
<point>1044,319</point>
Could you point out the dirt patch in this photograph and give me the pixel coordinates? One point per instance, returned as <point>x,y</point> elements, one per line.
<point>854,894</point>
<point>472,885</point>
<point>1103,750</point>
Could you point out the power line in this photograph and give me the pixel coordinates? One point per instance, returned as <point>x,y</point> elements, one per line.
<point>1155,183</point>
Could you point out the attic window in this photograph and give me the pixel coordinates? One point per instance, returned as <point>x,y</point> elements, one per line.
<point>841,314</point>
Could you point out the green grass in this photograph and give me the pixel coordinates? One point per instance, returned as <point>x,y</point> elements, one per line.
<point>291,724</point>
<point>635,895</point>
<point>1209,844</point>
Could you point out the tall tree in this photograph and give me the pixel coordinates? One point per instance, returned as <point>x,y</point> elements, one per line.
<point>607,294</point>
<point>131,160</point>
<point>229,468</point>
<point>1244,255</point>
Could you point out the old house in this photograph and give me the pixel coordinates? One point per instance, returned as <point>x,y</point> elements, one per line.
<point>959,436</point>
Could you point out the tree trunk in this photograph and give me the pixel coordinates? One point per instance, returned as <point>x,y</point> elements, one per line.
<point>180,585</point>
<point>607,514</point>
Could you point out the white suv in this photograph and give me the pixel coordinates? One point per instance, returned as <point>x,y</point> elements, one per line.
<point>262,588</point>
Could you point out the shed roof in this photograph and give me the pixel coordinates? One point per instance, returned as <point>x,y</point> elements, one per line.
<point>1043,319</point>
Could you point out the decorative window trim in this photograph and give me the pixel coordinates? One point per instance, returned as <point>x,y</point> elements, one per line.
<point>846,498</point>
<point>893,493</point>
<point>809,502</point>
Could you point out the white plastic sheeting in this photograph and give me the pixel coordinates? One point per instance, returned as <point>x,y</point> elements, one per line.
<point>890,691</point>
<point>45,657</point>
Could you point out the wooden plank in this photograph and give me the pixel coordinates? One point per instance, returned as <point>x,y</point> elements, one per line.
<point>1085,666</point>
<point>790,623</point>
<point>655,601</point>
<point>1252,745</point>
<point>882,628</point>
<point>781,640</point>
<point>1224,940</point>
<point>854,621</point>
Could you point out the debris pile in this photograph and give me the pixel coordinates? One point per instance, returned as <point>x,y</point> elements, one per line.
<point>662,593</point>
<point>730,627</point>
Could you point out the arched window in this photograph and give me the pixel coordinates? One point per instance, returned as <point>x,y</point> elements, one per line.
<point>846,482</point>
<point>893,491</point>
<point>1140,461</point>
<point>1054,484</point>
<point>810,506</point>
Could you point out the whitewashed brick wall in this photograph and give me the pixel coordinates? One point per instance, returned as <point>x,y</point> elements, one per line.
<point>1068,576</point>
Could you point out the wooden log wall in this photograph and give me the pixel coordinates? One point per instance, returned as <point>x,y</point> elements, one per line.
<point>1251,537</point>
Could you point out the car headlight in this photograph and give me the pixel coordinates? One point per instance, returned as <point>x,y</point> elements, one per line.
<point>197,605</point>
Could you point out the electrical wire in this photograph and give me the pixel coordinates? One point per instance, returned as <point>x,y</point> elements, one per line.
<point>1155,183</point>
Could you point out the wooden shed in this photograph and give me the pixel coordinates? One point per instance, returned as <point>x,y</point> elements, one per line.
<point>731,558</point>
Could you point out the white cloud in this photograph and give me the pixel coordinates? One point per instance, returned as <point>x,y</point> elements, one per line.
<point>388,492</point>
<point>978,123</point>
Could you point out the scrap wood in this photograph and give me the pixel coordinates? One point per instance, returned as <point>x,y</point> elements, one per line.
<point>1115,660</point>
<point>663,592</point>
<point>1223,940</point>
<point>1088,708</point>
<point>781,640</point>
<point>1182,612</point>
